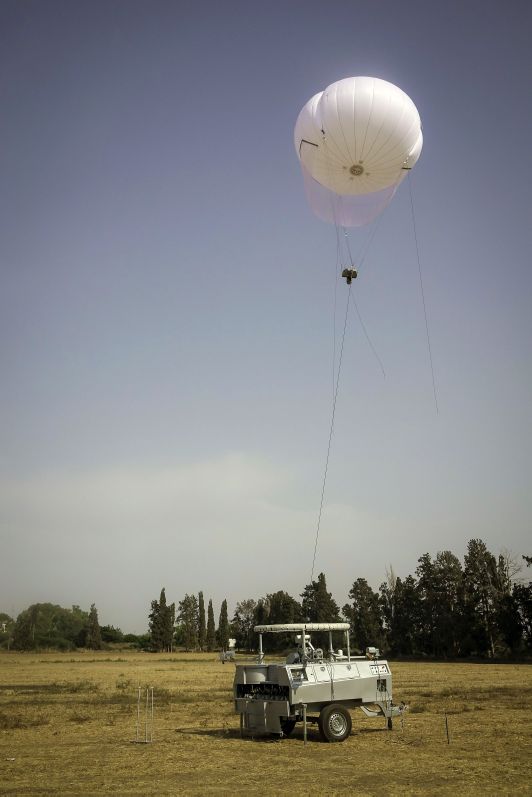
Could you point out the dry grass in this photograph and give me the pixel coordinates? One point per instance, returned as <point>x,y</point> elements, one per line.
<point>66,725</point>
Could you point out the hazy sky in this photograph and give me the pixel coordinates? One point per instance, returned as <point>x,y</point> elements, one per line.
<point>167,301</point>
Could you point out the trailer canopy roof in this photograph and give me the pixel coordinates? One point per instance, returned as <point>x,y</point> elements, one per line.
<point>261,629</point>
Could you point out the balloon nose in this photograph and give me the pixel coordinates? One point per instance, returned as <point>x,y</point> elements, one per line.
<point>357,169</point>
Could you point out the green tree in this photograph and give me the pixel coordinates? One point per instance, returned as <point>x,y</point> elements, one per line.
<point>46,625</point>
<point>168,626</point>
<point>400,610</point>
<point>280,607</point>
<point>510,622</point>
<point>243,623</point>
<point>364,615</point>
<point>6,630</point>
<point>481,597</point>
<point>94,637</point>
<point>211,628</point>
<point>440,590</point>
<point>161,624</point>
<point>261,612</point>
<point>318,605</point>
<point>188,619</point>
<point>140,641</point>
<point>154,626</point>
<point>522,594</point>
<point>428,598</point>
<point>202,630</point>
<point>25,629</point>
<point>109,633</point>
<point>449,606</point>
<point>223,627</point>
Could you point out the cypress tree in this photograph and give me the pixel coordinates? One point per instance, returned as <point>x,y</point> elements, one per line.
<point>94,637</point>
<point>223,627</point>
<point>161,625</point>
<point>154,625</point>
<point>163,621</point>
<point>211,631</point>
<point>202,631</point>
<point>168,623</point>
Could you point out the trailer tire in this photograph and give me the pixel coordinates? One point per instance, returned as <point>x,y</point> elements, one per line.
<point>334,723</point>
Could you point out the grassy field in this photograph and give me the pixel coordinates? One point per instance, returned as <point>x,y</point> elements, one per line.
<point>67,722</point>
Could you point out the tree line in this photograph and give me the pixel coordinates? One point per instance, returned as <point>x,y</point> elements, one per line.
<point>447,609</point>
<point>46,625</point>
<point>189,627</point>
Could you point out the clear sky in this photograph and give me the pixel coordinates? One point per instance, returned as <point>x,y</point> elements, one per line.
<point>167,301</point>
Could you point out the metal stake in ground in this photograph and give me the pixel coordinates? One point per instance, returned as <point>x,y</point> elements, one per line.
<point>146,719</point>
<point>151,724</point>
<point>138,716</point>
<point>148,716</point>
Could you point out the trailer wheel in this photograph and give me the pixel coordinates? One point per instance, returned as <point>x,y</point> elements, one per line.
<point>287,726</point>
<point>334,723</point>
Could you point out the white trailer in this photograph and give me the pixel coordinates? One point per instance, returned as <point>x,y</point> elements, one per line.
<point>312,686</point>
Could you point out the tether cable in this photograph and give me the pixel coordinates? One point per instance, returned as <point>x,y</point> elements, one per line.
<point>336,376</point>
<point>330,436</point>
<point>365,249</point>
<point>422,292</point>
<point>362,324</point>
<point>365,331</point>
<point>336,266</point>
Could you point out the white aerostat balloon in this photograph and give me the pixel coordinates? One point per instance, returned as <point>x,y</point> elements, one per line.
<point>356,141</point>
